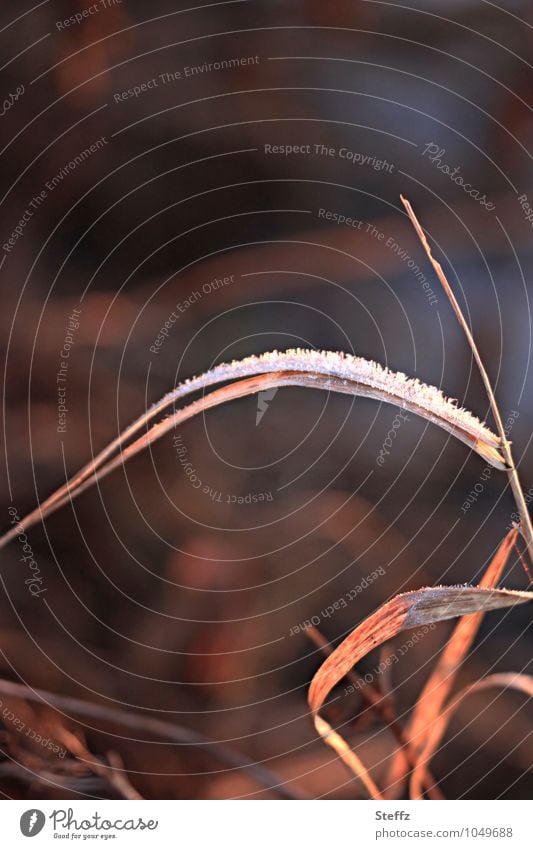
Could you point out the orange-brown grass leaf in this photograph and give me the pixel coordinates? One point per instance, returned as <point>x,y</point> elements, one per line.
<point>442,679</point>
<point>409,610</point>
<point>505,680</point>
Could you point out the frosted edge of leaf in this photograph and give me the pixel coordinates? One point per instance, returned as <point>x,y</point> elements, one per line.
<point>344,366</point>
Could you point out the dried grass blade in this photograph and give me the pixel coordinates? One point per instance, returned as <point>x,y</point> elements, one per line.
<point>505,680</point>
<point>348,757</point>
<point>442,679</point>
<point>409,610</point>
<point>320,370</point>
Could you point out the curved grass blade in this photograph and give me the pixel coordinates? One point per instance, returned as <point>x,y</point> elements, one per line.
<point>336,372</point>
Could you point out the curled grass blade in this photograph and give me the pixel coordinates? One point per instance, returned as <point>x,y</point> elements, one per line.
<point>406,611</point>
<point>379,703</point>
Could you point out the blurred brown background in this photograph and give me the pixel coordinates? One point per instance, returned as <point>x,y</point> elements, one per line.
<point>176,599</point>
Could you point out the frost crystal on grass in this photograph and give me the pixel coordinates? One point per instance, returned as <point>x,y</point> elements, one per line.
<point>325,370</point>
<point>350,368</point>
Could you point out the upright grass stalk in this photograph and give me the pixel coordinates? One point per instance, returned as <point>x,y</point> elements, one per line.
<point>526,527</point>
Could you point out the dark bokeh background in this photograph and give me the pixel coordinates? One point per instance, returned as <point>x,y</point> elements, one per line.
<point>179,603</point>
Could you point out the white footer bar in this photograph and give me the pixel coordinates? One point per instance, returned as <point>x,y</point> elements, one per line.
<point>267,824</point>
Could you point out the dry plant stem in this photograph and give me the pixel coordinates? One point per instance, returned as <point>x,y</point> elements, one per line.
<point>348,375</point>
<point>380,705</point>
<point>32,778</point>
<point>525,566</point>
<point>112,775</point>
<point>120,777</point>
<point>169,732</point>
<point>526,526</point>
